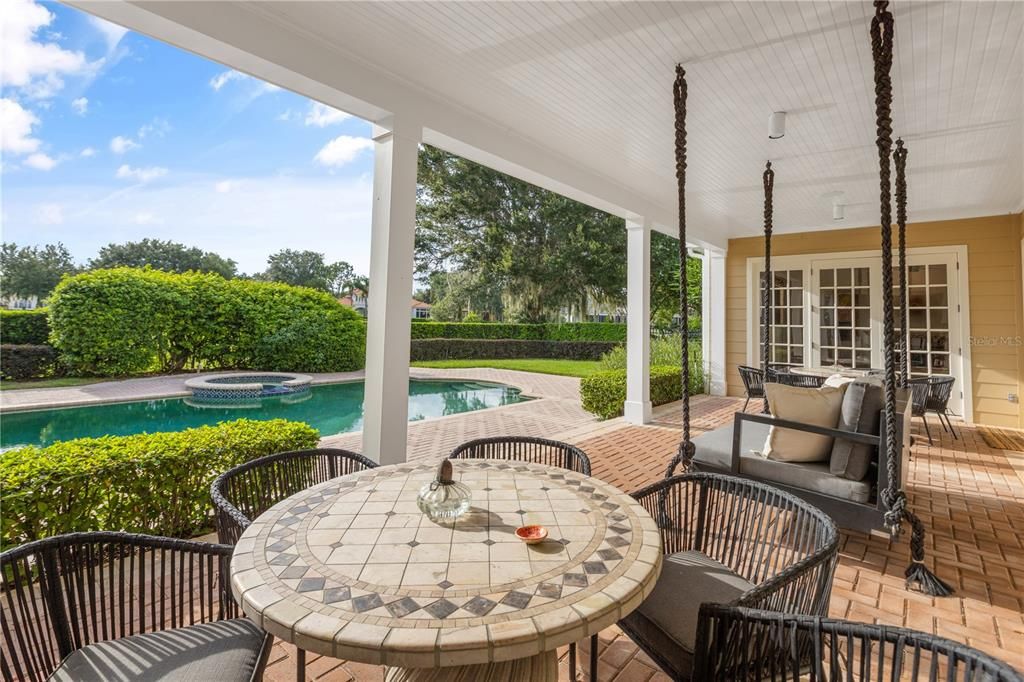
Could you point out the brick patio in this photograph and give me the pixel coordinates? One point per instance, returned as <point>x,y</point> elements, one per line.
<point>970,496</point>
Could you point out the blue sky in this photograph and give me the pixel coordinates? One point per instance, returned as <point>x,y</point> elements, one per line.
<point>109,136</point>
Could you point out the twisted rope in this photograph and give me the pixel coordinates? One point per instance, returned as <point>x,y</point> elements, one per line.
<point>894,497</point>
<point>768,180</point>
<point>684,456</point>
<point>900,158</point>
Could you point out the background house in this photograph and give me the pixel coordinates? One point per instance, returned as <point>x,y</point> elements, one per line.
<point>357,301</point>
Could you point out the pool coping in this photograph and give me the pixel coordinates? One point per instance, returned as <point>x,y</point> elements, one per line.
<point>176,388</point>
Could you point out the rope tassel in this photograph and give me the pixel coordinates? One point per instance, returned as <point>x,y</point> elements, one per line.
<point>894,498</point>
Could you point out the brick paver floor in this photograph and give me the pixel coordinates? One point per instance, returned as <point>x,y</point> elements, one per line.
<point>970,497</point>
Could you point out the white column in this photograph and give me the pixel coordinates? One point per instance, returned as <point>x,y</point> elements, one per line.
<point>713,322</point>
<point>386,405</point>
<point>637,409</point>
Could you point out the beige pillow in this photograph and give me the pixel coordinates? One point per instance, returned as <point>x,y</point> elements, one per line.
<point>838,381</point>
<point>817,406</point>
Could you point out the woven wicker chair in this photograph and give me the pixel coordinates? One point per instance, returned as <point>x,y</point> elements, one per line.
<point>728,540</point>
<point>246,491</point>
<point>939,390</point>
<point>116,607</point>
<point>526,449</point>
<point>539,451</point>
<point>753,382</point>
<point>762,646</point>
<point>802,380</point>
<point>920,390</point>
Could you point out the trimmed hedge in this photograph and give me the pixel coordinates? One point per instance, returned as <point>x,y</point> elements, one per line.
<point>131,320</point>
<point>27,361</point>
<point>21,327</point>
<point>604,393</point>
<point>570,331</point>
<point>506,349</point>
<point>155,483</point>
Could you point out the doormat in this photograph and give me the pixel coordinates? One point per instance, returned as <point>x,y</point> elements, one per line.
<point>1003,439</point>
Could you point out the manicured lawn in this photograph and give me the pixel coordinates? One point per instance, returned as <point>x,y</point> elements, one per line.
<point>568,368</point>
<point>60,382</point>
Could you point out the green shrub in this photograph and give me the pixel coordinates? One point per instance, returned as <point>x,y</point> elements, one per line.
<point>21,327</point>
<point>153,483</point>
<point>27,361</point>
<point>494,349</point>
<point>131,320</point>
<point>604,393</point>
<point>665,350</point>
<point>572,331</point>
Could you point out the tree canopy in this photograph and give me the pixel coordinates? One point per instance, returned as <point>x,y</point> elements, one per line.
<point>163,255</point>
<point>33,270</point>
<point>309,269</point>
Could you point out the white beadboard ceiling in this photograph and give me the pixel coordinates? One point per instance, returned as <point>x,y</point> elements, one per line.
<point>590,82</point>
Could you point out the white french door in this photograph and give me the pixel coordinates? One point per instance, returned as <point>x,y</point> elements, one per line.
<point>827,312</point>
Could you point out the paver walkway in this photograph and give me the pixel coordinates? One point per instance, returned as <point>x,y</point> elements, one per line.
<point>970,497</point>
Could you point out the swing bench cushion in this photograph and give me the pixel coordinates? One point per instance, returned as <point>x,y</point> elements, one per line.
<point>816,406</point>
<point>861,412</point>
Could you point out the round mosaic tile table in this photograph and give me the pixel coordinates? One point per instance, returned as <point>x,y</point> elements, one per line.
<point>352,569</point>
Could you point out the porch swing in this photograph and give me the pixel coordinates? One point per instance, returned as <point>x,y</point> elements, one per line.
<point>862,486</point>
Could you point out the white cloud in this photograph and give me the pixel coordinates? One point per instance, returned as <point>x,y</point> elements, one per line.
<point>40,161</point>
<point>158,128</point>
<point>87,152</point>
<point>321,115</point>
<point>288,115</point>
<point>16,125</point>
<point>35,67</point>
<point>80,106</point>
<point>222,79</point>
<point>120,145</point>
<point>146,218</point>
<point>225,186</point>
<point>126,172</point>
<point>112,33</point>
<point>255,89</point>
<point>49,214</point>
<point>341,150</point>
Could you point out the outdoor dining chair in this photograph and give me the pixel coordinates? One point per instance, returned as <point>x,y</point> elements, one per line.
<point>753,382</point>
<point>802,380</point>
<point>246,491</point>
<point>115,607</point>
<point>939,390</point>
<point>539,451</point>
<point>767,646</point>
<point>732,541</point>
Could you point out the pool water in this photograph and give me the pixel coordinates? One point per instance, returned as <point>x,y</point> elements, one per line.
<point>331,408</point>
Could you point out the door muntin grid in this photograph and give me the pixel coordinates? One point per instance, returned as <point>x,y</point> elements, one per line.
<point>787,328</point>
<point>844,316</point>
<point>929,334</point>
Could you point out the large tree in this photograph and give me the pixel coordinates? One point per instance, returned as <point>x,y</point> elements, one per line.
<point>33,271</point>
<point>544,253</point>
<point>309,269</point>
<point>163,255</point>
<point>665,281</point>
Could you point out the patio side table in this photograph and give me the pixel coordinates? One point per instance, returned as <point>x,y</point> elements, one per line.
<point>352,569</point>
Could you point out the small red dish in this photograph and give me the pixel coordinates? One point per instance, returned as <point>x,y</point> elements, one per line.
<point>531,535</point>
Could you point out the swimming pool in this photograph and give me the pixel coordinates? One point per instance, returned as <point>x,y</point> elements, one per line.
<point>331,408</point>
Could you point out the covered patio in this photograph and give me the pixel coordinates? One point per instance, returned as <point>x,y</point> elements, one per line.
<point>576,98</point>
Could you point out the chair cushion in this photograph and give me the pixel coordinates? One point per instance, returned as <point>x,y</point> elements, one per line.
<point>816,406</point>
<point>714,453</point>
<point>860,413</point>
<point>668,617</point>
<point>225,651</point>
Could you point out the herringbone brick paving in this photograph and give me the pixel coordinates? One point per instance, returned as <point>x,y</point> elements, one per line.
<point>970,497</point>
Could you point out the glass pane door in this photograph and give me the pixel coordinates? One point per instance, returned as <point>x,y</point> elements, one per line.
<point>844,314</point>
<point>929,318</point>
<point>787,329</point>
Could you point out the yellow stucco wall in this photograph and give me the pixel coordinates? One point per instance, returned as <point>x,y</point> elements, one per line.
<point>996,298</point>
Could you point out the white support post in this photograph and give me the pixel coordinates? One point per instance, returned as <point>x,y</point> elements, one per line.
<point>713,322</point>
<point>637,409</point>
<point>386,403</point>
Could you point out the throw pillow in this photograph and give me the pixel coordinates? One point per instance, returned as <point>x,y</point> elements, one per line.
<point>860,413</point>
<point>817,406</point>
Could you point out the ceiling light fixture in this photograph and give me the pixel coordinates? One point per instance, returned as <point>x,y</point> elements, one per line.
<point>838,211</point>
<point>777,125</point>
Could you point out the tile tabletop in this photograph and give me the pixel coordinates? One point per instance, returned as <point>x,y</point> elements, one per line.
<point>351,568</point>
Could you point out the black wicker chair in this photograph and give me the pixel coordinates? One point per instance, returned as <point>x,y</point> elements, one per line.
<point>762,646</point>
<point>728,540</point>
<point>753,382</point>
<point>920,389</point>
<point>246,491</point>
<point>802,380</point>
<point>116,607</point>
<point>526,449</point>
<point>539,451</point>
<point>939,390</point>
